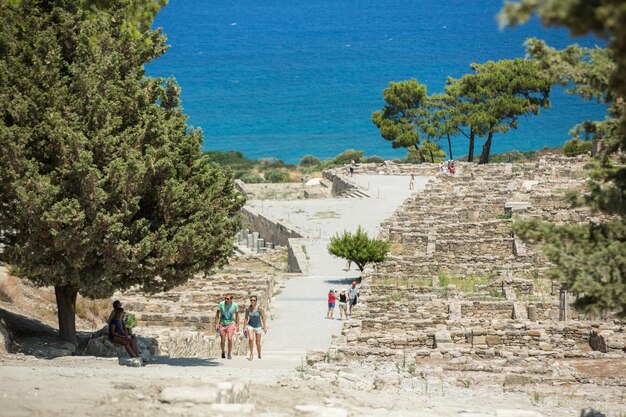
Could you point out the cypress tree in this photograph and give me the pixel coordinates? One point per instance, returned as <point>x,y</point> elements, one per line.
<point>104,185</point>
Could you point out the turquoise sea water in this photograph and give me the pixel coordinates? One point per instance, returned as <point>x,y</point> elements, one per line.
<point>286,78</point>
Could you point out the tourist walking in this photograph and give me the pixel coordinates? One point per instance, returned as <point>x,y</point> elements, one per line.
<point>343,305</point>
<point>331,304</point>
<point>227,323</point>
<point>348,265</point>
<point>352,166</point>
<point>255,324</point>
<point>353,295</point>
<point>451,167</point>
<point>119,335</point>
<point>412,182</point>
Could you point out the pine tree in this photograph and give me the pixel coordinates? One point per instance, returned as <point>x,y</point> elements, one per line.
<point>589,258</point>
<point>495,96</point>
<point>104,185</point>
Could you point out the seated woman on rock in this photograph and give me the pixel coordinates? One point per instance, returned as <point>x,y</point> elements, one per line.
<point>119,335</point>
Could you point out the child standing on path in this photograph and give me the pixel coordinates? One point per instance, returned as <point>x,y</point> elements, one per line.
<point>227,323</point>
<point>331,304</point>
<point>255,322</point>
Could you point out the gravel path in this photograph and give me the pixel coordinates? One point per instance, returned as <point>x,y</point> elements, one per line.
<point>298,321</point>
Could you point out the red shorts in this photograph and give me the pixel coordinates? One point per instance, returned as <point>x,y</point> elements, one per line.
<point>229,328</point>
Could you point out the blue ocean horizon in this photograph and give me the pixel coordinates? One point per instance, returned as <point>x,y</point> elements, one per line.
<point>285,79</point>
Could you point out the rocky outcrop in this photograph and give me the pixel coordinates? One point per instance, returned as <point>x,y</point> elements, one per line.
<point>6,339</point>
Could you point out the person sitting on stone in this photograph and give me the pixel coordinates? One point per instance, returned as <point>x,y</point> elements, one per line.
<point>116,304</point>
<point>119,335</point>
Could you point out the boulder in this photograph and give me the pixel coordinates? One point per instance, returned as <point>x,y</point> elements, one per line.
<point>6,339</point>
<point>101,346</point>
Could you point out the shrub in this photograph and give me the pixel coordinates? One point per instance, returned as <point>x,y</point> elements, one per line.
<point>358,248</point>
<point>250,178</point>
<point>309,161</point>
<point>346,156</point>
<point>575,147</point>
<point>271,162</point>
<point>277,176</point>
<point>374,160</point>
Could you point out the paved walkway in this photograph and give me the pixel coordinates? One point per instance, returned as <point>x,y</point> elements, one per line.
<point>298,321</point>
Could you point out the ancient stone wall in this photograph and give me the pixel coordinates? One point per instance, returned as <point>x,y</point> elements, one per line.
<point>269,230</point>
<point>460,223</point>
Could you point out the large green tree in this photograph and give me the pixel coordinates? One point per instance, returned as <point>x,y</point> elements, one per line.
<point>406,117</point>
<point>358,248</point>
<point>496,95</point>
<point>590,257</point>
<point>104,185</point>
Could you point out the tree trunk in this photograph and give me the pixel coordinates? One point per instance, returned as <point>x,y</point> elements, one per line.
<point>432,157</point>
<point>484,157</point>
<point>66,305</point>
<point>450,146</point>
<point>470,153</point>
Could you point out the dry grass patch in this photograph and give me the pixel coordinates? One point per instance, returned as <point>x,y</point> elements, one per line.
<point>9,289</point>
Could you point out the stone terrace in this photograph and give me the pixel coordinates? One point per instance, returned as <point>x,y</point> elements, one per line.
<point>460,224</point>
<point>507,325</point>
<point>183,318</point>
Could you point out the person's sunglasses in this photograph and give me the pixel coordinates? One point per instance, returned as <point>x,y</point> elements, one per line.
<point>253,299</point>
<point>228,298</point>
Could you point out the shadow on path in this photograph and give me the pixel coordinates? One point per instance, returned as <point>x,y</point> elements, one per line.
<point>164,360</point>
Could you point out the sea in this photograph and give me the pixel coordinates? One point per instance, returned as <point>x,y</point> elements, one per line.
<point>288,78</point>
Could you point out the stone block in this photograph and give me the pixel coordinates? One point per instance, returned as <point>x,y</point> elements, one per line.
<point>545,346</point>
<point>493,340</point>
<point>515,379</point>
<point>479,340</point>
<point>195,395</point>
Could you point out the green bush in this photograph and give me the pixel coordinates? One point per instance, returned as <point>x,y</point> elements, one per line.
<point>575,147</point>
<point>374,160</point>
<point>277,176</point>
<point>271,162</point>
<point>309,161</point>
<point>234,159</point>
<point>350,155</point>
<point>250,178</point>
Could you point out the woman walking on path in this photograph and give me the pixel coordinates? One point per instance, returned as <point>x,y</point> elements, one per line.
<point>255,322</point>
<point>331,304</point>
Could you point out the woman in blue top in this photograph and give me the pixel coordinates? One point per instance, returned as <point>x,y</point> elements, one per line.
<point>119,335</point>
<point>255,324</point>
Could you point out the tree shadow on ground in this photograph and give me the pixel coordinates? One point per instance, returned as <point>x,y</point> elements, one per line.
<point>166,360</point>
<point>343,281</point>
<point>21,325</point>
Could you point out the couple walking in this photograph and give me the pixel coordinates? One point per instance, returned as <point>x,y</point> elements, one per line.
<point>227,323</point>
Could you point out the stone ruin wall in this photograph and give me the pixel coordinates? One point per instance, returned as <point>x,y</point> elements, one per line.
<point>183,319</point>
<point>423,322</point>
<point>460,224</point>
